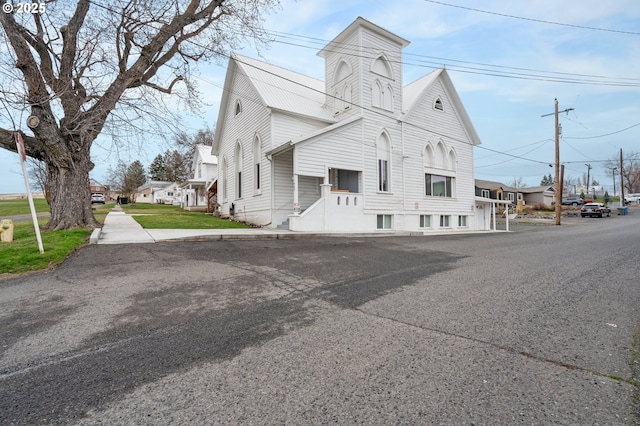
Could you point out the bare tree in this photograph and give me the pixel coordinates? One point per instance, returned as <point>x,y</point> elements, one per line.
<point>115,176</point>
<point>517,183</point>
<point>82,69</point>
<point>630,170</point>
<point>187,144</point>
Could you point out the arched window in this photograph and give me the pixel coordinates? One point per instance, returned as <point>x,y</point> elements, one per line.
<point>346,97</point>
<point>381,67</point>
<point>257,155</point>
<point>337,103</point>
<point>440,156</point>
<point>343,70</point>
<point>452,160</point>
<point>238,166</point>
<point>384,156</point>
<point>225,171</point>
<point>238,107</point>
<point>438,105</point>
<point>440,166</point>
<point>428,156</point>
<point>382,95</point>
<point>387,98</point>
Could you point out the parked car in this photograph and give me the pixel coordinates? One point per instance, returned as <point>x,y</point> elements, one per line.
<point>572,201</point>
<point>97,199</point>
<point>595,209</point>
<point>632,198</point>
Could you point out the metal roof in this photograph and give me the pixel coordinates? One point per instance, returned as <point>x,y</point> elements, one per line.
<point>286,90</point>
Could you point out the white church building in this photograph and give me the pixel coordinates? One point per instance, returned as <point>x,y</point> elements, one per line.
<point>359,151</point>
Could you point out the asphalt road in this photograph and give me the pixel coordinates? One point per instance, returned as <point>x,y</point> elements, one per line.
<point>535,326</point>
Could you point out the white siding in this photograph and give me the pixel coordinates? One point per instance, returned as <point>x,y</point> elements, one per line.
<point>287,127</point>
<point>254,118</point>
<point>341,149</point>
<point>446,122</point>
<point>283,187</point>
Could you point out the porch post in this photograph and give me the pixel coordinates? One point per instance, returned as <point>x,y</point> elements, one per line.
<point>296,202</point>
<point>494,205</point>
<point>325,192</point>
<point>507,209</point>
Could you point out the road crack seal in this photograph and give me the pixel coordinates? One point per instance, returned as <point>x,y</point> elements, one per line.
<point>633,381</point>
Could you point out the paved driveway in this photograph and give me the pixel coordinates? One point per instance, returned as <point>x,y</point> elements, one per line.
<point>534,327</point>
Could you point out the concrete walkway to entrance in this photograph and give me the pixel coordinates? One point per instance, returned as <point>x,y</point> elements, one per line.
<point>120,228</point>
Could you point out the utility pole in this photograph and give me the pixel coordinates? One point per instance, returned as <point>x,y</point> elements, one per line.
<point>621,181</point>
<point>558,189</point>
<point>588,176</point>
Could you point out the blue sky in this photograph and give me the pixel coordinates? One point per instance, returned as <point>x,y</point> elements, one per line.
<point>479,42</point>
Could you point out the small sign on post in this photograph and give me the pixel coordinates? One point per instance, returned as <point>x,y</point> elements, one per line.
<point>23,158</point>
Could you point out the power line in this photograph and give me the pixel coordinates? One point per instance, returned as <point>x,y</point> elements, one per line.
<point>584,27</point>
<point>484,68</point>
<point>516,75</point>
<point>602,136</point>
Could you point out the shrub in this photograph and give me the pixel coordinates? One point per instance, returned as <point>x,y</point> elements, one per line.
<point>543,207</point>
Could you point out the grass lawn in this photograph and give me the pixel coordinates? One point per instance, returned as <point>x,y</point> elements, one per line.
<point>159,216</point>
<point>16,207</point>
<point>22,254</point>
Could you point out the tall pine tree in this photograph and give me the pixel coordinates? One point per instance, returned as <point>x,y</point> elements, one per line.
<point>157,169</point>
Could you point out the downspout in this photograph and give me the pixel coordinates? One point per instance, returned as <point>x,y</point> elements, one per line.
<point>404,192</point>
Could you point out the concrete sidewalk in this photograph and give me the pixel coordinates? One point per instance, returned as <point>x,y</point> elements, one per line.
<point>121,228</point>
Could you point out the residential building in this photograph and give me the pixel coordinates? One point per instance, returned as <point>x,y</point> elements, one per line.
<point>196,192</point>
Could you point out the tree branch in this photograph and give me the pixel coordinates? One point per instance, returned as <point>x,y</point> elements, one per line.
<point>32,147</point>
<point>162,89</point>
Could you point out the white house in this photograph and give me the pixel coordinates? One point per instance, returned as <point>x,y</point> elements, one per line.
<point>147,193</point>
<point>205,172</point>
<point>170,194</point>
<point>359,151</point>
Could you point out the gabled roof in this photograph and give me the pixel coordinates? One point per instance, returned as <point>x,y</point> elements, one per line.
<point>203,152</point>
<point>154,185</point>
<point>534,189</point>
<point>493,186</point>
<point>284,89</point>
<point>414,92</point>
<point>361,22</point>
<point>278,88</point>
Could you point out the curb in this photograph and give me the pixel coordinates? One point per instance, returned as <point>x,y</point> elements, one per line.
<point>95,236</point>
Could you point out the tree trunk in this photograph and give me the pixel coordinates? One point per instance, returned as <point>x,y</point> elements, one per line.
<point>70,192</point>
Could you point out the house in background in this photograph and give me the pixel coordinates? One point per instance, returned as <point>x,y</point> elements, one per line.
<point>359,151</point>
<point>498,191</point>
<point>526,196</point>
<point>147,193</point>
<point>196,191</point>
<point>97,188</point>
<point>539,195</point>
<point>170,194</point>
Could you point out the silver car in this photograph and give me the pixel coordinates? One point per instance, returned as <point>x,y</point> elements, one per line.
<point>595,209</point>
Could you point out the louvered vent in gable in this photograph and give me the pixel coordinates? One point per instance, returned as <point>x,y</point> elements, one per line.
<point>438,105</point>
